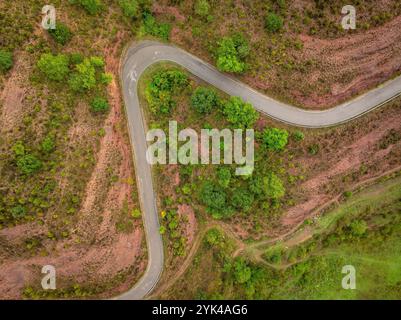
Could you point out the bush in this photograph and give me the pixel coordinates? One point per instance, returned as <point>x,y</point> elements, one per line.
<point>242,199</point>
<point>54,67</point>
<point>84,77</point>
<point>231,54</point>
<point>48,144</point>
<point>163,86</point>
<point>215,200</point>
<point>28,164</point>
<point>204,100</point>
<point>61,34</point>
<point>130,8</point>
<point>6,60</point>
<point>99,105</point>
<point>152,27</point>
<point>298,136</point>
<point>202,8</point>
<point>273,22</point>
<point>18,212</point>
<point>239,113</point>
<point>275,138</point>
<point>224,176</point>
<point>273,187</point>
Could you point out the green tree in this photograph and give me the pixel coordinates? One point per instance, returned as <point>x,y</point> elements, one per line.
<point>239,113</point>
<point>204,100</point>
<point>84,77</point>
<point>275,139</point>
<point>99,105</point>
<point>6,60</point>
<point>231,53</point>
<point>61,34</point>
<point>202,8</point>
<point>273,187</point>
<point>224,176</point>
<point>298,135</point>
<point>242,199</point>
<point>273,22</point>
<point>160,90</point>
<point>130,8</point>
<point>152,27</point>
<point>215,200</point>
<point>242,272</point>
<point>54,67</point>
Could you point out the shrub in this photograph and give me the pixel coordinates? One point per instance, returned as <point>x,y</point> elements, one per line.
<point>298,135</point>
<point>99,105</point>
<point>242,199</point>
<point>48,144</point>
<point>239,113</point>
<point>152,27</point>
<point>61,34</point>
<point>6,60</point>
<point>224,176</point>
<point>313,149</point>
<point>163,86</point>
<point>18,212</point>
<point>54,67</point>
<point>273,22</point>
<point>215,200</point>
<point>28,164</point>
<point>273,187</point>
<point>130,8</point>
<point>84,77</point>
<point>231,52</point>
<point>358,228</point>
<point>202,8</point>
<point>204,100</point>
<point>275,138</point>
<point>242,273</point>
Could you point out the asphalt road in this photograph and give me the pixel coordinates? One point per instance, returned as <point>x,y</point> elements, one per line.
<point>140,56</point>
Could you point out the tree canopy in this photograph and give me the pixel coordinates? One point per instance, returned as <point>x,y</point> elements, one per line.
<point>239,113</point>
<point>275,139</point>
<point>160,90</point>
<point>204,100</point>
<point>231,53</point>
<point>54,67</point>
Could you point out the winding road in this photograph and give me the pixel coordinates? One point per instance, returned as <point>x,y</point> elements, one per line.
<point>140,56</point>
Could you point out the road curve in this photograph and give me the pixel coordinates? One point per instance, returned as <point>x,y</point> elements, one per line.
<point>140,56</point>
